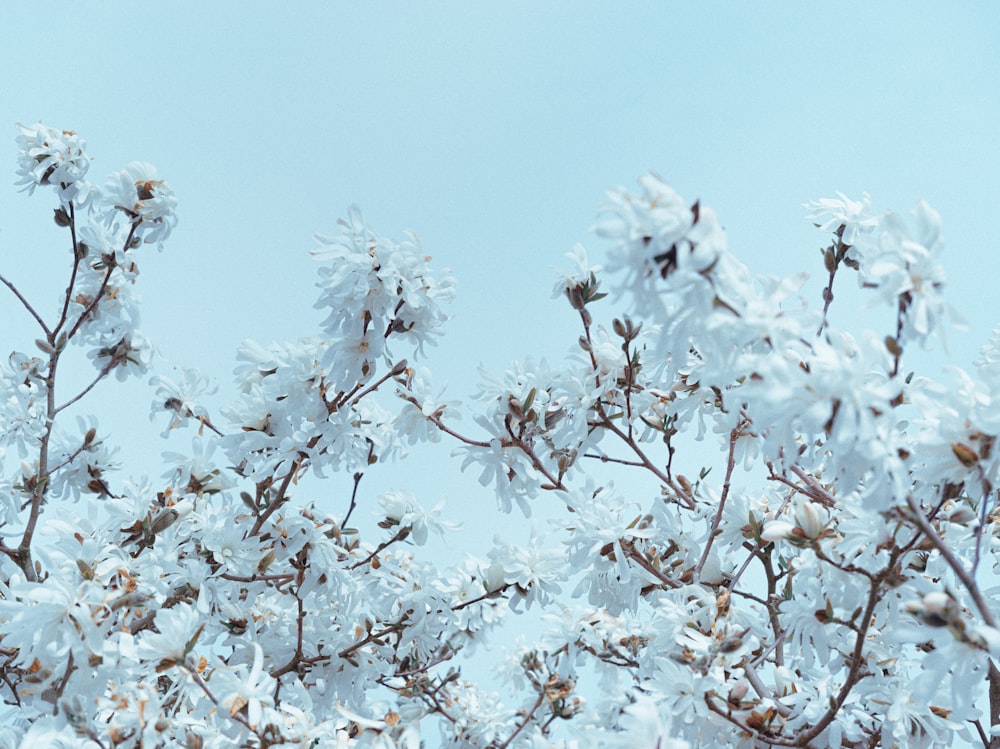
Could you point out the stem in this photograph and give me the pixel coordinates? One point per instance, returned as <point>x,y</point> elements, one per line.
<point>72,276</point>
<point>608,459</point>
<point>27,306</point>
<point>730,464</point>
<point>436,421</point>
<point>354,497</point>
<point>278,500</point>
<point>527,719</point>
<point>924,525</point>
<point>42,477</point>
<point>994,681</point>
<point>100,292</point>
<point>854,672</point>
<point>818,493</point>
<point>100,376</point>
<point>400,535</point>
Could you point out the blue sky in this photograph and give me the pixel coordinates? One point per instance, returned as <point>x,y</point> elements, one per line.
<point>492,130</point>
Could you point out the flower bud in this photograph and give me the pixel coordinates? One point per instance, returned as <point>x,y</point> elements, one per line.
<point>784,681</point>
<point>775,530</point>
<point>739,692</point>
<point>965,454</point>
<point>810,519</point>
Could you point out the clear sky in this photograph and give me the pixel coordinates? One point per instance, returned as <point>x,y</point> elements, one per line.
<point>493,131</point>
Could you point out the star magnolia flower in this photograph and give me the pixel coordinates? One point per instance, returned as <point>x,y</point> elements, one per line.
<point>53,157</point>
<point>147,200</point>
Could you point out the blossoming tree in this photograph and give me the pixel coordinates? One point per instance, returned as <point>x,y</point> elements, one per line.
<point>823,585</point>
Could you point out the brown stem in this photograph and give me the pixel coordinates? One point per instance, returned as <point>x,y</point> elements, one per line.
<point>917,516</point>
<point>279,500</point>
<point>372,637</point>
<point>527,719</point>
<point>819,493</point>
<point>856,660</point>
<point>297,656</point>
<point>27,305</point>
<point>730,463</point>
<point>484,597</point>
<point>72,277</point>
<point>994,681</point>
<point>608,459</point>
<point>400,535</point>
<point>436,421</point>
<point>354,498</point>
<point>100,376</point>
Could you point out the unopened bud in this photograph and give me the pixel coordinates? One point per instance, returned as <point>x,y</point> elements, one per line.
<point>830,260</point>
<point>965,454</point>
<point>775,530</point>
<point>266,561</point>
<point>784,680</point>
<point>739,692</point>
<point>810,519</point>
<point>892,346</point>
<point>575,295</point>
<point>937,609</point>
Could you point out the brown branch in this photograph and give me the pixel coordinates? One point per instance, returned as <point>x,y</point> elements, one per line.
<point>279,500</point>
<point>372,637</point>
<point>994,680</point>
<point>917,516</point>
<point>726,483</point>
<point>484,597</point>
<point>100,376</point>
<point>608,459</point>
<point>436,421</point>
<point>527,719</point>
<point>400,535</point>
<point>27,305</point>
<point>819,493</point>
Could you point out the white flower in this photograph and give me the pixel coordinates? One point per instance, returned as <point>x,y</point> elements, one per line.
<point>181,398</point>
<point>375,290</point>
<point>177,629</point>
<point>403,510</point>
<point>420,403</point>
<point>647,724</point>
<point>906,270</point>
<point>242,688</point>
<point>535,570</point>
<point>775,530</point>
<point>146,200</point>
<point>583,272</point>
<point>854,215</point>
<point>124,353</point>
<point>53,157</point>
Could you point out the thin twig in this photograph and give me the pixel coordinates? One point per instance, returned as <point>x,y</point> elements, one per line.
<point>730,464</point>
<point>27,306</point>
<point>917,516</point>
<point>100,376</point>
<point>354,497</point>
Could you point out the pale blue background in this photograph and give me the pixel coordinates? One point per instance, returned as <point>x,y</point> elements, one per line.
<point>492,130</point>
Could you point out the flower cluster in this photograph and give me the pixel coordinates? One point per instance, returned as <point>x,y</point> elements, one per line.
<point>816,582</point>
<point>53,157</point>
<point>375,288</point>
